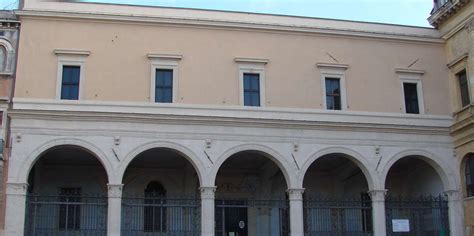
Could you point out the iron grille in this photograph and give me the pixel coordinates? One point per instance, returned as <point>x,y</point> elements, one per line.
<point>427,215</point>
<point>65,216</point>
<point>161,216</point>
<point>334,217</point>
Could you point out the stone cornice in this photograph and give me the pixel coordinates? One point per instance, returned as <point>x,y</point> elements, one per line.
<point>235,116</point>
<point>444,12</point>
<point>415,34</point>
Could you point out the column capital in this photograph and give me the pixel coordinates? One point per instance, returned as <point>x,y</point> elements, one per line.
<point>377,194</point>
<point>295,193</point>
<point>208,192</point>
<point>453,195</point>
<point>16,188</point>
<point>114,190</point>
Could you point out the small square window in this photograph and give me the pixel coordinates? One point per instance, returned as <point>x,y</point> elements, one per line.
<point>333,93</point>
<point>164,85</point>
<point>70,82</point>
<point>411,98</point>
<point>464,88</point>
<point>251,89</point>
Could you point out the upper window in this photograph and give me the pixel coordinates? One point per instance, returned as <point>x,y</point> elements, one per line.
<point>251,89</point>
<point>70,82</point>
<point>464,88</point>
<point>410,92</point>
<point>3,58</point>
<point>469,171</point>
<point>70,77</point>
<point>164,77</point>
<point>251,81</point>
<point>333,93</point>
<point>333,85</point>
<point>164,85</point>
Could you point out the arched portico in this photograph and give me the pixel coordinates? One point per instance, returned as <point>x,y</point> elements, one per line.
<point>67,193</point>
<point>336,199</point>
<point>183,151</point>
<point>287,168</point>
<point>28,163</point>
<point>160,192</point>
<point>419,185</point>
<point>358,159</point>
<point>252,182</point>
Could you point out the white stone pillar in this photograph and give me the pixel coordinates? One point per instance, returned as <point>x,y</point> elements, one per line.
<point>207,210</point>
<point>15,209</point>
<point>295,196</point>
<point>379,223</point>
<point>456,212</point>
<point>114,214</point>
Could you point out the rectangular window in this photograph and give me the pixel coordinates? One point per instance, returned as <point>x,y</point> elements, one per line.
<point>251,89</point>
<point>464,88</point>
<point>410,91</point>
<point>70,82</point>
<point>164,85</point>
<point>333,93</point>
<point>70,208</point>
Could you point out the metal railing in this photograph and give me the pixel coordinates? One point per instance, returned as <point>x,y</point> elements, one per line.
<point>334,217</point>
<point>161,216</point>
<point>264,217</point>
<point>65,216</point>
<point>426,215</point>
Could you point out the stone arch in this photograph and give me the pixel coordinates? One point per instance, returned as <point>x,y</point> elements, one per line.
<point>276,157</point>
<point>355,157</point>
<point>188,154</point>
<point>446,175</point>
<point>33,157</point>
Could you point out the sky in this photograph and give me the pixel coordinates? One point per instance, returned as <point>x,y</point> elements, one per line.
<point>404,12</point>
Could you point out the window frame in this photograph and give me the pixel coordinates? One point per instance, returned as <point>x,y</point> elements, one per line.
<point>456,75</point>
<point>336,71</point>
<point>71,60</point>
<point>164,62</point>
<point>252,68</point>
<point>469,187</point>
<point>412,79</point>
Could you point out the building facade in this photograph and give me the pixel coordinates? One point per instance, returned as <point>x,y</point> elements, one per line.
<point>307,126</point>
<point>455,22</point>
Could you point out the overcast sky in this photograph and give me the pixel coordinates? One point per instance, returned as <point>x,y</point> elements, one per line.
<point>405,12</point>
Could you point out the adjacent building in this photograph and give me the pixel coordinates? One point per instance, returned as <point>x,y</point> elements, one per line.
<point>455,22</point>
<point>132,120</point>
<point>9,29</point>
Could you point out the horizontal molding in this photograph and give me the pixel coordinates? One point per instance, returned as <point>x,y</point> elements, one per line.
<point>72,52</point>
<point>421,37</point>
<point>164,56</point>
<point>229,115</point>
<point>454,62</point>
<point>251,60</point>
<point>332,65</point>
<point>409,71</point>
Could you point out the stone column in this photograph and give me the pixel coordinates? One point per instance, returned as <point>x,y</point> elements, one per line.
<point>456,212</point>
<point>114,214</point>
<point>15,208</point>
<point>295,195</point>
<point>378,212</point>
<point>207,210</point>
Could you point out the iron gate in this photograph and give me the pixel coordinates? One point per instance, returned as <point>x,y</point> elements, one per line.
<point>65,216</point>
<point>426,215</point>
<point>333,217</point>
<point>251,217</point>
<point>161,216</point>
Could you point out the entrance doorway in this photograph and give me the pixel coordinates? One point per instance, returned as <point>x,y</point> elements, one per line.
<point>232,218</point>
